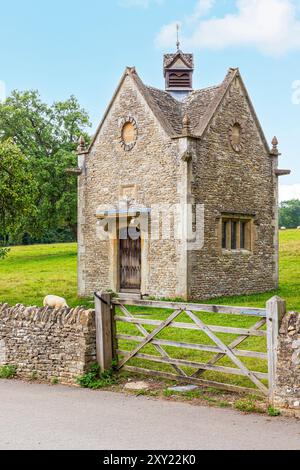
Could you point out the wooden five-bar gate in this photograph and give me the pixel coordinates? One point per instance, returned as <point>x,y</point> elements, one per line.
<point>107,319</point>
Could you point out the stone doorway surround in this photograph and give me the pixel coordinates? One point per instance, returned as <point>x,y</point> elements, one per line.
<point>123,219</point>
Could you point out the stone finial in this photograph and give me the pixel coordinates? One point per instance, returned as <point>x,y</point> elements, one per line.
<point>186,124</point>
<point>274,150</point>
<point>275,142</point>
<point>81,145</point>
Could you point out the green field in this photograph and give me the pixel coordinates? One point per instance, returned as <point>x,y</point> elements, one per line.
<point>30,273</point>
<point>289,289</point>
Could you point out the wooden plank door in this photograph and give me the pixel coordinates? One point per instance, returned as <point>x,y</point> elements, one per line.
<point>130,262</point>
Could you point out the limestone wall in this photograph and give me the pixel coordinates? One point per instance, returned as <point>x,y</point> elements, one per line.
<point>47,344</point>
<point>287,392</point>
<point>152,172</point>
<point>230,182</point>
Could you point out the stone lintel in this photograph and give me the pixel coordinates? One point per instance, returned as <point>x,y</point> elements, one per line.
<point>235,213</point>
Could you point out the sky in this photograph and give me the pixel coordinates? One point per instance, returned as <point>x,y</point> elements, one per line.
<point>64,47</point>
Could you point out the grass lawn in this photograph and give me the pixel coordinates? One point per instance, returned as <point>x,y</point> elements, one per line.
<point>289,290</point>
<point>30,273</point>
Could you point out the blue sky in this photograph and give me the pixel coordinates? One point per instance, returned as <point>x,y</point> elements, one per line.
<point>73,47</point>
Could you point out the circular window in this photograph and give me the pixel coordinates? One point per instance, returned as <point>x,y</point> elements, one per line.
<point>236,135</point>
<point>128,134</point>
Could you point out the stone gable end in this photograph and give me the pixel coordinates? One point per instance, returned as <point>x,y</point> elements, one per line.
<point>241,182</point>
<point>177,147</point>
<point>152,168</point>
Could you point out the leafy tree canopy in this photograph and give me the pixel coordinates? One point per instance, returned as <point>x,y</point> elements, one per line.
<point>16,191</point>
<point>47,136</point>
<point>290,214</point>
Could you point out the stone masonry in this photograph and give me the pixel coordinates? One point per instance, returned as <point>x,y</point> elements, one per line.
<point>230,182</point>
<point>153,167</point>
<point>287,390</point>
<point>183,153</point>
<point>47,344</point>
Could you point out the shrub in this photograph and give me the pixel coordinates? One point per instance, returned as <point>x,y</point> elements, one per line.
<point>273,412</point>
<point>8,371</point>
<point>96,379</point>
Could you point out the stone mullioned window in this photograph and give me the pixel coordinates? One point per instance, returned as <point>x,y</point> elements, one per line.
<point>236,233</point>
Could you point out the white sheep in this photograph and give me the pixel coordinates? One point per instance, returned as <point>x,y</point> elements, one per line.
<point>298,228</point>
<point>283,228</point>
<point>53,301</point>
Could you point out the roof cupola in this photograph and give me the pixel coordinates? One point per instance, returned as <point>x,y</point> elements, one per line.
<point>178,73</point>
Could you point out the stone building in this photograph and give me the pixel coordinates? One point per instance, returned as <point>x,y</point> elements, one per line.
<point>178,191</point>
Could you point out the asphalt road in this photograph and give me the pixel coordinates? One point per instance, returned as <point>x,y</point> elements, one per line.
<point>34,416</point>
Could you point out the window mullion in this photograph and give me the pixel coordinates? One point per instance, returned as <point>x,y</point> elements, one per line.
<point>228,241</point>
<point>238,236</point>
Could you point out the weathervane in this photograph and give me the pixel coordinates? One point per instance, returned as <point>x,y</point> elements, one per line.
<point>178,42</point>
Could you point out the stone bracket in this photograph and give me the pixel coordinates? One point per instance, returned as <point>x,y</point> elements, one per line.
<point>74,171</point>
<point>282,172</point>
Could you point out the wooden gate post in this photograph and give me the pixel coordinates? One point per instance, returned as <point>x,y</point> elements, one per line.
<point>104,330</point>
<point>276,309</point>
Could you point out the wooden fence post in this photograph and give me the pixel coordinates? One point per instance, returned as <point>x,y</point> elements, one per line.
<point>276,309</point>
<point>104,330</point>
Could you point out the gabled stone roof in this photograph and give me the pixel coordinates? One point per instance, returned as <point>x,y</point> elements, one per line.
<point>195,105</point>
<point>200,106</point>
<point>170,58</point>
<point>171,108</point>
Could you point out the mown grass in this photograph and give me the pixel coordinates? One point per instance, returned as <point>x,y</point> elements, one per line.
<point>289,290</point>
<point>30,273</point>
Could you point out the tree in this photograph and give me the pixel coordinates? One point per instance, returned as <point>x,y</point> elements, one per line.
<point>290,214</point>
<point>16,190</point>
<point>47,136</point>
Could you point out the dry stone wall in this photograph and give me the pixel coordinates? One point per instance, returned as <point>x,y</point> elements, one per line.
<point>47,344</point>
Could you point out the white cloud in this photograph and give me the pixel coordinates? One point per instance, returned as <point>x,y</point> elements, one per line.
<point>2,91</point>
<point>289,191</point>
<point>296,92</point>
<point>168,35</point>
<point>271,26</point>
<point>139,3</point>
<point>202,8</point>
